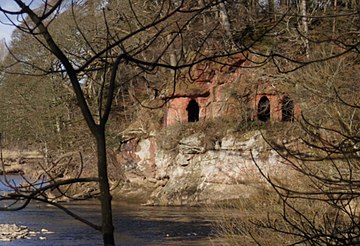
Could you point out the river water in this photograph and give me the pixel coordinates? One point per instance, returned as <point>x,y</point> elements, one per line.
<point>135,225</point>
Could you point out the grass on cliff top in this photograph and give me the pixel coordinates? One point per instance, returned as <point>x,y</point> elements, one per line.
<point>215,129</point>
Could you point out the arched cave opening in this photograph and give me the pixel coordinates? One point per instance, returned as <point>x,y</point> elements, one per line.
<point>193,111</point>
<point>264,109</point>
<point>287,107</point>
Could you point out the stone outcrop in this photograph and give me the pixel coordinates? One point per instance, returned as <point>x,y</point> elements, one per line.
<point>183,161</point>
<point>197,169</point>
<point>10,232</point>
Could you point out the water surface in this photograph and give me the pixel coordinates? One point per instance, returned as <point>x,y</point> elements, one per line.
<point>135,225</point>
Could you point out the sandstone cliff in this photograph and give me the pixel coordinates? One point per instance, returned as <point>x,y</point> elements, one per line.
<point>202,144</point>
<point>191,166</point>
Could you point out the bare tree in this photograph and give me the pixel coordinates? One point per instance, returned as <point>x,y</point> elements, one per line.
<point>106,43</point>
<point>324,208</point>
<point>316,200</point>
<point>99,48</point>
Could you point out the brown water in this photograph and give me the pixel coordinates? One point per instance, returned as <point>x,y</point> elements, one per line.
<point>135,225</point>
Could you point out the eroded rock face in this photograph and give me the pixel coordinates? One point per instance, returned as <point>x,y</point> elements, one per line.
<point>197,171</point>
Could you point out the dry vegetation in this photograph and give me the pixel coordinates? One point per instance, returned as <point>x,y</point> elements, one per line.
<point>317,202</point>
<point>317,41</point>
<point>264,218</point>
<point>213,130</point>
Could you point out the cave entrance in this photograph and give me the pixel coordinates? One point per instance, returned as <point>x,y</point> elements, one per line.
<point>193,111</point>
<point>287,107</point>
<point>264,109</point>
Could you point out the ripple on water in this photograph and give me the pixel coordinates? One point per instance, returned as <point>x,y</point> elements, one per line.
<point>135,225</point>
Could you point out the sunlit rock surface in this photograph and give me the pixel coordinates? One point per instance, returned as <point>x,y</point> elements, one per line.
<point>196,171</point>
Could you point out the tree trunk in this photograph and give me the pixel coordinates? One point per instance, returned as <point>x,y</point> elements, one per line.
<point>105,197</point>
<point>334,20</point>
<point>271,9</point>
<point>305,28</point>
<point>225,22</point>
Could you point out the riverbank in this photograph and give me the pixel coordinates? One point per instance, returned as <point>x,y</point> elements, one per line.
<point>18,161</point>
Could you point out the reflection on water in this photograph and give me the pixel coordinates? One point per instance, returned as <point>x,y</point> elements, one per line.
<point>7,181</point>
<point>135,225</point>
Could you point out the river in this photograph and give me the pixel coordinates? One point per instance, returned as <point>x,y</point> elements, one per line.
<point>135,225</point>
